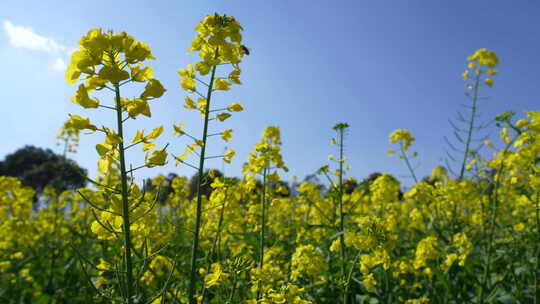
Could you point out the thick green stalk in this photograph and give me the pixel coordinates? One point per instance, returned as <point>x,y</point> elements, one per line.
<point>471,127</point>
<point>193,270</point>
<point>341,215</point>
<point>263,228</point>
<point>125,201</point>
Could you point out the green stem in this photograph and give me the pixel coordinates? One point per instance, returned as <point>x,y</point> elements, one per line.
<point>263,227</point>
<point>64,153</point>
<point>341,215</point>
<point>349,276</point>
<point>233,291</point>
<point>408,163</point>
<point>471,127</point>
<point>125,201</point>
<point>387,294</point>
<point>193,271</point>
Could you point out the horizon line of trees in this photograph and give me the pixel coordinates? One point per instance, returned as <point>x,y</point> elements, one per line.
<point>38,168</point>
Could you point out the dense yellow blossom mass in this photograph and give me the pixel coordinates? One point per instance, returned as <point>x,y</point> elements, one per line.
<point>257,239</point>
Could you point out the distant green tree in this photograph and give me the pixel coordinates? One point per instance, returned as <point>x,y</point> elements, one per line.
<point>38,168</point>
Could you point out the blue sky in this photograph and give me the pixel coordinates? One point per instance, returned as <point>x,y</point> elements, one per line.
<point>378,65</point>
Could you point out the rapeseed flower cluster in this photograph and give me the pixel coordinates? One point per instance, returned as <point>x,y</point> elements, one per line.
<point>257,239</point>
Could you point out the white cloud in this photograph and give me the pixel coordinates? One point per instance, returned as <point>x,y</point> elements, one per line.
<point>59,65</point>
<point>25,38</point>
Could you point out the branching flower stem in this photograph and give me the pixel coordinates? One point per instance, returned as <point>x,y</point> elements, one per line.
<point>125,201</point>
<point>407,162</point>
<point>263,228</point>
<point>471,127</point>
<point>341,215</point>
<point>195,245</point>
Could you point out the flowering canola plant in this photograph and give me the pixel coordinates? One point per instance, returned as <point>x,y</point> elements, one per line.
<point>256,239</point>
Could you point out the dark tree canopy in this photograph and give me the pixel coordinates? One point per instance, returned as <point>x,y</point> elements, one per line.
<point>38,168</point>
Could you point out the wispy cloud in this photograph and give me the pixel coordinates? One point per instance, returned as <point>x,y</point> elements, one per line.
<point>25,38</point>
<point>59,65</point>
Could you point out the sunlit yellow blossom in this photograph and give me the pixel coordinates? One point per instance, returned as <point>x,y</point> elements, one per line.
<point>188,84</point>
<point>103,149</point>
<point>112,138</point>
<point>178,129</point>
<point>141,74</point>
<point>215,276</point>
<point>274,177</point>
<point>80,123</point>
<point>226,135</point>
<point>223,116</point>
<point>369,282</point>
<point>307,261</point>
<point>403,136</point>
<point>229,154</point>
<point>235,107</point>
<point>519,227</point>
<point>190,104</point>
<point>485,58</point>
<point>425,251</point>
<point>155,133</point>
<point>450,258</point>
<point>234,76</point>
<point>422,300</point>
<point>157,158</point>
<point>187,72</point>
<point>81,98</point>
<point>221,84</point>
<point>138,106</point>
<point>521,123</point>
<point>153,89</point>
